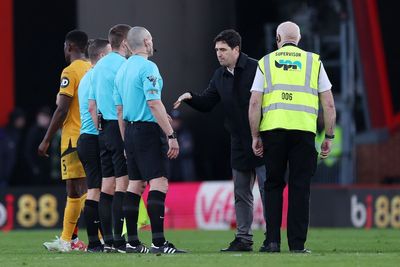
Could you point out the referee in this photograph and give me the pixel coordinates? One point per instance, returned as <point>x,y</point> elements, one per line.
<point>149,140</point>
<point>88,148</point>
<point>113,162</point>
<point>285,93</point>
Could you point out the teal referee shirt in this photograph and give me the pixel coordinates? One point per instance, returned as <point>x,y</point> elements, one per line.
<point>102,84</point>
<point>137,81</point>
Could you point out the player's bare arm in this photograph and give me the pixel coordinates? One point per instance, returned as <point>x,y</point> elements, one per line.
<point>93,112</point>
<point>63,104</point>
<point>121,122</point>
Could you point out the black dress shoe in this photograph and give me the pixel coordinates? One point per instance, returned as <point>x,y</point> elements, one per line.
<point>304,250</point>
<point>272,247</point>
<point>238,244</point>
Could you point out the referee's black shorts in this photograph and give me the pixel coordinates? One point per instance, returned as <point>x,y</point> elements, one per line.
<point>88,152</point>
<point>113,162</point>
<point>146,148</point>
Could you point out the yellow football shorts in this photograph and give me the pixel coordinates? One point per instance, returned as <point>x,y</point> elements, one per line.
<point>71,166</point>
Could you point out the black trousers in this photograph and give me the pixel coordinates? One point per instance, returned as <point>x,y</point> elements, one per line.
<point>296,150</point>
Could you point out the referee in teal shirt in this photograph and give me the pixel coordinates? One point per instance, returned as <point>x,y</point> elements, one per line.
<point>113,162</point>
<point>88,148</point>
<point>149,139</point>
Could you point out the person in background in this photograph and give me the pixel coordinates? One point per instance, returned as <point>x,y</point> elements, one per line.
<point>11,149</point>
<point>328,169</point>
<point>182,168</point>
<point>39,167</point>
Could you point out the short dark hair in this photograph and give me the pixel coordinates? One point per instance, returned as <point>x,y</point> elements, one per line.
<point>117,34</point>
<point>95,48</point>
<point>231,37</point>
<point>79,38</point>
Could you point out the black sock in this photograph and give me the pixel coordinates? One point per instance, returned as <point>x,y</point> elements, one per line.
<point>155,208</point>
<point>105,215</point>
<point>131,212</point>
<point>118,218</point>
<point>91,213</point>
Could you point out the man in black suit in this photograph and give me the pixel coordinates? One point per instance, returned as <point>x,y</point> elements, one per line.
<point>231,85</point>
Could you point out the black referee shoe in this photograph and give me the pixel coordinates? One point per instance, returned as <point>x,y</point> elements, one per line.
<point>136,249</point>
<point>108,249</point>
<point>95,249</point>
<point>167,248</point>
<point>238,244</point>
<point>121,248</point>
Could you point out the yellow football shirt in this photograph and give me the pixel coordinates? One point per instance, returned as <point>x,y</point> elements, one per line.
<point>70,78</point>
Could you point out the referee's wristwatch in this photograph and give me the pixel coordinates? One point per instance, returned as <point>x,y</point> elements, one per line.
<point>172,136</point>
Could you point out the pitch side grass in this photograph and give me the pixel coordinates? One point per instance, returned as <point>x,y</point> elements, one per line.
<point>330,247</point>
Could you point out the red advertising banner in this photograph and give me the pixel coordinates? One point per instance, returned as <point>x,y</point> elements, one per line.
<point>209,205</point>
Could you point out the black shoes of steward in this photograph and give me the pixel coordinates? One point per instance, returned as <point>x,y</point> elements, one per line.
<point>272,247</point>
<point>238,244</point>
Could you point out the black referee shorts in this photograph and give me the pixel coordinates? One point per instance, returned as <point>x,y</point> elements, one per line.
<point>146,148</point>
<point>88,153</point>
<point>113,162</point>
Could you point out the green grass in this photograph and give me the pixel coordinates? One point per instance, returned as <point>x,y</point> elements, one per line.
<point>330,247</point>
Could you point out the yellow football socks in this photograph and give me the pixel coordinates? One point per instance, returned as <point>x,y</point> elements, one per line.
<point>71,215</point>
<point>83,199</point>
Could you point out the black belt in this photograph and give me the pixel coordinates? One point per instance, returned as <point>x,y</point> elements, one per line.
<point>139,122</point>
<point>102,123</point>
<point>106,122</point>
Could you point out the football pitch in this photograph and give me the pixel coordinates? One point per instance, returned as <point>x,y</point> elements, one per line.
<point>330,247</point>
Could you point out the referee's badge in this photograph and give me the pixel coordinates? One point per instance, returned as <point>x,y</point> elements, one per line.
<point>152,79</point>
<point>64,82</point>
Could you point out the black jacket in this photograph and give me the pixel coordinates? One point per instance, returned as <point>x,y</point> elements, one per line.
<point>234,93</point>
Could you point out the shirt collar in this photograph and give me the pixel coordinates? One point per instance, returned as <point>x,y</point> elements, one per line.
<point>289,44</point>
<point>240,63</point>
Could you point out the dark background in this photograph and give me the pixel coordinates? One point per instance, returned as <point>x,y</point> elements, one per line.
<point>387,13</point>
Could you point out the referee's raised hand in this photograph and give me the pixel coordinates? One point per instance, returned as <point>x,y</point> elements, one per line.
<point>173,150</point>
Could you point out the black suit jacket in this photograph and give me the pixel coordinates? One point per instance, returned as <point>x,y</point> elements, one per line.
<point>233,91</point>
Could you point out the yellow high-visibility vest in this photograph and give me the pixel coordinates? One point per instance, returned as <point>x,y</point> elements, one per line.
<point>290,99</point>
